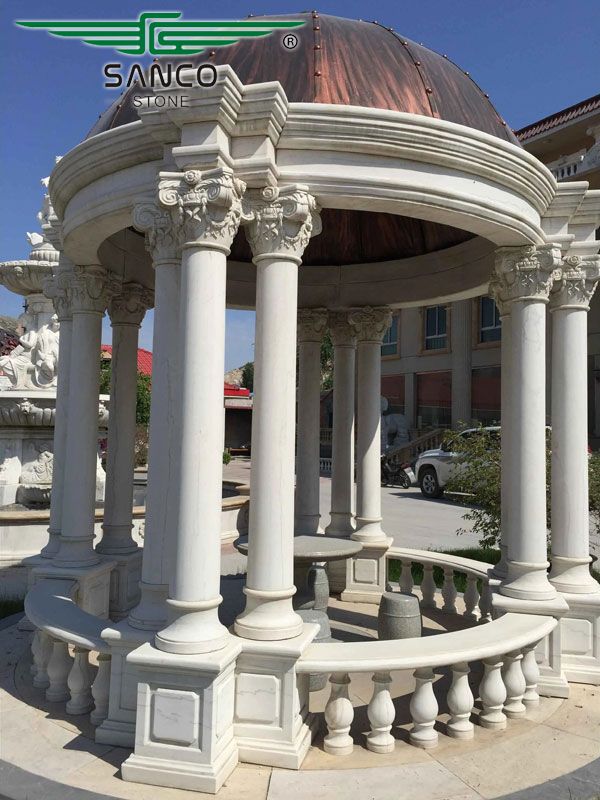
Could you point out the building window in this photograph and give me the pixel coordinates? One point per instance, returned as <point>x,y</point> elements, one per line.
<point>485,395</point>
<point>392,388</point>
<point>436,337</point>
<point>434,399</point>
<point>389,346</point>
<point>490,327</point>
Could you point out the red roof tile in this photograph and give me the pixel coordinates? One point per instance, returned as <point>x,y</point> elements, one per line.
<point>559,118</point>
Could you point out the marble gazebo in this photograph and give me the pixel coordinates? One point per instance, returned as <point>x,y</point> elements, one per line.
<point>322,186</point>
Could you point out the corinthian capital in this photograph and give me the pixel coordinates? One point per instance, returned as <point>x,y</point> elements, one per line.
<point>280,221</point>
<point>342,332</point>
<point>370,324</point>
<point>57,287</point>
<point>577,283</point>
<point>162,235</point>
<point>129,306</point>
<point>205,208</point>
<point>312,323</point>
<point>91,288</point>
<point>524,273</point>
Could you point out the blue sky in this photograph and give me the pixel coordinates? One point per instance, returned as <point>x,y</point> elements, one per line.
<point>533,57</point>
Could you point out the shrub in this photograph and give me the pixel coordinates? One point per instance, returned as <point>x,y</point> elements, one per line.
<point>226,456</point>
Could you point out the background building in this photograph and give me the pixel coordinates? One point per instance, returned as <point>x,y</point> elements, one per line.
<point>441,364</point>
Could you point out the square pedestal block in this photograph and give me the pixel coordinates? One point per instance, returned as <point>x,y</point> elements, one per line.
<point>580,638</point>
<point>366,573</point>
<point>184,723</point>
<point>93,584</point>
<point>272,723</point>
<point>125,583</point>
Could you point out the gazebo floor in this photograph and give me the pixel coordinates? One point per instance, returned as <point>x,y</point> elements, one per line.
<point>554,754</point>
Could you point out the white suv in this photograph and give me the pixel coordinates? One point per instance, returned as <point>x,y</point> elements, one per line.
<point>433,467</point>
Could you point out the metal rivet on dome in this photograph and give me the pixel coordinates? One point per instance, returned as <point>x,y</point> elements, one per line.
<point>466,73</point>
<point>318,73</point>
<point>417,63</point>
<point>212,53</point>
<point>429,90</point>
<point>444,56</point>
<point>487,95</point>
<point>405,43</point>
<point>315,15</point>
<point>317,47</point>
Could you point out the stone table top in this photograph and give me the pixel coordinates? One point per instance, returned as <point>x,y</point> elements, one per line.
<point>315,548</point>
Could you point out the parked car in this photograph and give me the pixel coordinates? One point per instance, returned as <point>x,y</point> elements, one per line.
<point>433,467</point>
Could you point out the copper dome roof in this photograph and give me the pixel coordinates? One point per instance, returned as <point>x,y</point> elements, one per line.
<point>348,62</point>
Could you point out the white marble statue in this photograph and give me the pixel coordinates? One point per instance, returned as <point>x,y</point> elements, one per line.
<point>33,363</point>
<point>394,428</point>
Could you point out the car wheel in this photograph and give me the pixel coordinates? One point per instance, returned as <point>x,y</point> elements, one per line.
<point>429,484</point>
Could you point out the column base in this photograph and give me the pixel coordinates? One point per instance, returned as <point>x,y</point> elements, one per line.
<point>366,572</point>
<point>150,614</point>
<point>573,576</point>
<point>268,616</point>
<point>76,553</point>
<point>341,525</point>
<point>527,581</point>
<point>118,728</point>
<point>580,638</point>
<point>184,724</point>
<point>124,583</point>
<point>272,722</point>
<point>197,628</point>
<point>93,584</point>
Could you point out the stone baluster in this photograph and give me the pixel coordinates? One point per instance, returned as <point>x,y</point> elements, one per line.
<point>493,694</point>
<point>428,587</point>
<point>460,703</point>
<point>406,577</point>
<point>531,673</point>
<point>514,681</point>
<point>43,654</point>
<point>207,209</point>
<point>79,683</point>
<point>90,288</point>
<point>424,710</point>
<point>524,277</point>
<point>449,592</point>
<point>569,304</point>
<point>485,603</point>
<point>311,327</point>
<point>280,223</point>
<point>59,667</point>
<point>339,714</point>
<point>101,689</point>
<point>381,713</point>
<point>471,598</point>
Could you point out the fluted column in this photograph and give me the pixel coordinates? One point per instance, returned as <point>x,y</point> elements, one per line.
<point>205,210</point>
<point>90,289</point>
<point>280,224</point>
<point>311,327</point>
<point>126,311</point>
<point>525,276</point>
<point>569,304</point>
<point>162,488</point>
<point>342,449</point>
<point>57,289</point>
<point>370,325</point>
<point>460,321</point>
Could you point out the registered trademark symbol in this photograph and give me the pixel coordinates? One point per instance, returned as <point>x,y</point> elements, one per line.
<point>290,41</point>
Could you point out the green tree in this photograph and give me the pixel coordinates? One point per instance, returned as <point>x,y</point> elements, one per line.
<point>248,376</point>
<point>143,391</point>
<point>326,362</point>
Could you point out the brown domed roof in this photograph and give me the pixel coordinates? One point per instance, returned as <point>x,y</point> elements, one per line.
<point>348,62</point>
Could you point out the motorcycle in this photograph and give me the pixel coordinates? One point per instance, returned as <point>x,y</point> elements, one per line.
<point>394,473</point>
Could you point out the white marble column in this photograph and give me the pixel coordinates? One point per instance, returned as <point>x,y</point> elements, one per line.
<point>210,208</point>
<point>57,288</point>
<point>281,222</point>
<point>150,614</point>
<point>460,321</point>
<point>525,276</point>
<point>342,452</point>
<point>90,289</point>
<point>370,325</point>
<point>311,327</point>
<point>126,311</point>
<point>569,304</point>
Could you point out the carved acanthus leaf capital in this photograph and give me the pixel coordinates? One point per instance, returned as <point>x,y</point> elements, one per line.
<point>162,236</point>
<point>342,332</point>
<point>312,324</point>
<point>370,324</point>
<point>577,283</point>
<point>280,221</point>
<point>91,289</point>
<point>205,208</point>
<point>129,306</point>
<point>524,273</point>
<point>57,287</point>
